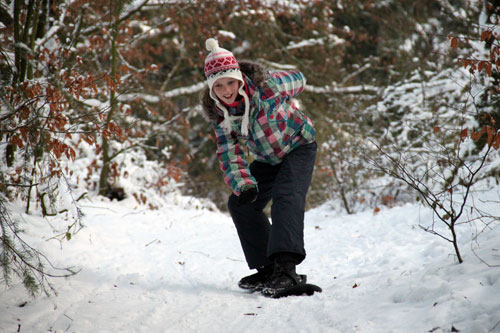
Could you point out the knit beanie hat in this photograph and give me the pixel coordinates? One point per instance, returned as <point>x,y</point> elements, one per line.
<point>222,63</point>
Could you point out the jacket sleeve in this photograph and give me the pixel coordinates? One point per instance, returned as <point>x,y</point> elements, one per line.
<point>288,83</point>
<point>232,162</point>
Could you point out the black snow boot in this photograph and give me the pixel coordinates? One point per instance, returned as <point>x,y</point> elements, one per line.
<point>257,281</point>
<point>284,277</point>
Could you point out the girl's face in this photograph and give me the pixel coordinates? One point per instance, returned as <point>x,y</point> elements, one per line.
<point>226,89</point>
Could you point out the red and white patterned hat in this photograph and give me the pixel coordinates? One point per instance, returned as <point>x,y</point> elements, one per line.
<point>222,63</point>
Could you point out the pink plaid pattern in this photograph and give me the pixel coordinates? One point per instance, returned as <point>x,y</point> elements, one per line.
<point>277,127</point>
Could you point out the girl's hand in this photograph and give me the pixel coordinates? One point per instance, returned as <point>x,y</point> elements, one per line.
<point>248,196</point>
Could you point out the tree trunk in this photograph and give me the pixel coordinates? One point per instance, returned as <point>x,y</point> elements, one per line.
<point>106,158</point>
<point>17,39</point>
<point>34,33</point>
<point>455,242</point>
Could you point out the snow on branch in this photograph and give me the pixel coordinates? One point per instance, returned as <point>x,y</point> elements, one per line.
<point>185,90</point>
<point>334,89</point>
<point>331,39</point>
<point>152,99</point>
<point>195,88</point>
<point>128,12</point>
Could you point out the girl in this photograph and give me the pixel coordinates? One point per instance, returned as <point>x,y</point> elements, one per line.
<point>253,108</point>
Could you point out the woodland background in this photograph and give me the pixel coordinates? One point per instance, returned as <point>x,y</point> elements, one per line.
<point>404,95</point>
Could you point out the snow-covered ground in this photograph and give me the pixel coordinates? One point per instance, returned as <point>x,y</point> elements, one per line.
<point>176,270</point>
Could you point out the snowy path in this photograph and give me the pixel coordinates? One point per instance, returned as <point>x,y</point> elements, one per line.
<point>176,270</point>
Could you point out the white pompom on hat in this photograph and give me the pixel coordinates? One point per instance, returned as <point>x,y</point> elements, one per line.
<point>222,63</point>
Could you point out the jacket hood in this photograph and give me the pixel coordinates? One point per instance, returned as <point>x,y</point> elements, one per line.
<point>254,71</point>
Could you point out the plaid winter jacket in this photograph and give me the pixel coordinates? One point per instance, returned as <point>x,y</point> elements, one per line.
<point>276,125</point>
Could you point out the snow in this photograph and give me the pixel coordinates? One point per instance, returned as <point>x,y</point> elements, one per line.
<point>333,40</point>
<point>227,34</point>
<point>169,94</point>
<point>342,90</point>
<point>305,43</point>
<point>175,269</point>
<point>185,90</point>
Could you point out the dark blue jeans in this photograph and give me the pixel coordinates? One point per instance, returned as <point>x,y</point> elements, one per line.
<point>286,184</point>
